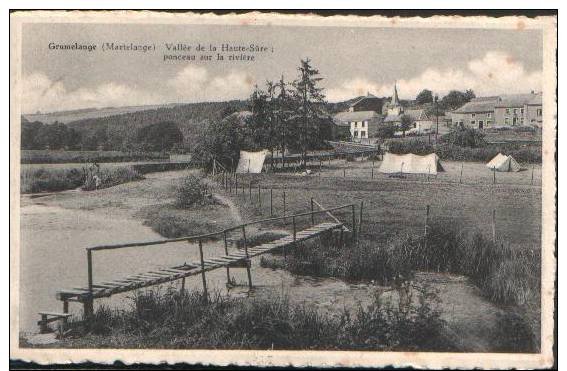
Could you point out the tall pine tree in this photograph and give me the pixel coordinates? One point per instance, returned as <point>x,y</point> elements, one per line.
<point>310,99</point>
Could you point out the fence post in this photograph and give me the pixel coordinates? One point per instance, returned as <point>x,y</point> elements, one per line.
<point>360,219</point>
<point>248,262</point>
<point>426,226</point>
<point>494,226</point>
<point>461,177</point>
<point>284,210</point>
<point>259,195</point>
<point>88,304</point>
<point>271,202</point>
<point>203,276</point>
<point>294,229</point>
<point>372,176</point>
<point>226,253</point>
<point>344,173</point>
<point>312,215</point>
<point>250,190</point>
<point>236,183</point>
<point>353,224</point>
<point>494,175</point>
<point>532,182</point>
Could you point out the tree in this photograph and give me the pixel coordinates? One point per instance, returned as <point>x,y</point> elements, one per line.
<point>425,96</point>
<point>222,141</point>
<point>310,99</point>
<point>29,134</point>
<point>405,123</point>
<point>455,99</point>
<point>466,137</point>
<point>386,130</point>
<point>161,136</point>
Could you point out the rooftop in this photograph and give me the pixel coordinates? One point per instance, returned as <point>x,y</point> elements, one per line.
<point>356,116</point>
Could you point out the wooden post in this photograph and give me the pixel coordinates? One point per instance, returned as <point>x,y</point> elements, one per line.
<point>203,276</point>
<point>183,286</point>
<point>426,226</point>
<point>461,177</point>
<point>344,173</point>
<point>428,171</point>
<point>372,176</point>
<point>88,309</point>
<point>248,166</point>
<point>353,224</point>
<point>532,182</point>
<point>360,218</point>
<point>226,253</point>
<point>494,175</point>
<point>259,195</point>
<point>250,191</point>
<point>284,209</point>
<point>271,202</point>
<point>494,226</point>
<point>312,214</point>
<point>248,263</point>
<point>236,183</point>
<point>294,229</point>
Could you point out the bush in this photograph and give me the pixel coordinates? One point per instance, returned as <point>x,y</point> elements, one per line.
<point>192,192</point>
<point>415,146</point>
<point>521,153</point>
<point>50,180</point>
<point>465,138</point>
<point>110,176</point>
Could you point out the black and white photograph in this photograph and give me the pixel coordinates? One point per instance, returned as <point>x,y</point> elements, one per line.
<point>349,191</point>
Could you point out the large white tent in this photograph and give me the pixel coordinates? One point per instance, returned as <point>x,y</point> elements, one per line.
<point>411,164</point>
<point>503,163</point>
<point>251,162</point>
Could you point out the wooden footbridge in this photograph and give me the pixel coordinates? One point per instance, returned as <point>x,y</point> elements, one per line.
<point>237,258</point>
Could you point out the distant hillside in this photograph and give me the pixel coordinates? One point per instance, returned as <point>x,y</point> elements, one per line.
<point>89,113</point>
<point>190,118</point>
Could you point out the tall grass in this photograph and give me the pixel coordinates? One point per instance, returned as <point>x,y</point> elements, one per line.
<point>172,319</point>
<point>112,176</point>
<point>504,274</point>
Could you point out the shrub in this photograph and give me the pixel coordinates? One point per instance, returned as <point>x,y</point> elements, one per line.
<point>466,137</point>
<point>414,146</point>
<point>110,177</point>
<point>192,192</point>
<point>50,180</point>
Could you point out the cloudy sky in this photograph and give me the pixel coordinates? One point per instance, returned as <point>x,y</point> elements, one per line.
<point>352,61</point>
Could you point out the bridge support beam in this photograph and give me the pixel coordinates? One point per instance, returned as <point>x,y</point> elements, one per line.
<point>248,262</point>
<point>203,276</point>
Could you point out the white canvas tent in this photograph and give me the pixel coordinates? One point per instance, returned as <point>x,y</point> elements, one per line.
<point>251,162</point>
<point>411,164</point>
<point>503,163</point>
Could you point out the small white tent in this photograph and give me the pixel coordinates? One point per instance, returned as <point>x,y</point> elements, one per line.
<point>251,162</point>
<point>503,163</point>
<point>411,164</point>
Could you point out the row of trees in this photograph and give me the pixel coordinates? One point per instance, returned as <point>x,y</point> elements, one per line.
<point>283,116</point>
<point>161,136</point>
<point>454,99</point>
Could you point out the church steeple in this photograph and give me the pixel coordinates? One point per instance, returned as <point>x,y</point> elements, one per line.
<point>395,100</point>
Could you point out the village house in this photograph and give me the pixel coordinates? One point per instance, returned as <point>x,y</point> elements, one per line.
<point>362,118</point>
<point>500,111</point>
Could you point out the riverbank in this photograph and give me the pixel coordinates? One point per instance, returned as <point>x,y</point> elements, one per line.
<point>81,219</point>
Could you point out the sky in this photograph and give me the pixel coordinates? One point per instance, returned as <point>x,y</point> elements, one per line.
<point>351,61</point>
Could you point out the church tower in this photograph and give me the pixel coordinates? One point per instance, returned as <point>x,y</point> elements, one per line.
<point>395,108</point>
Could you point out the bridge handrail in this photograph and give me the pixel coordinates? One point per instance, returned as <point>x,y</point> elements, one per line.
<point>207,235</point>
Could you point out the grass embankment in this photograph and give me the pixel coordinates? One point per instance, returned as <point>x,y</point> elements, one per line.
<point>54,179</point>
<point>173,320</point>
<point>192,210</point>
